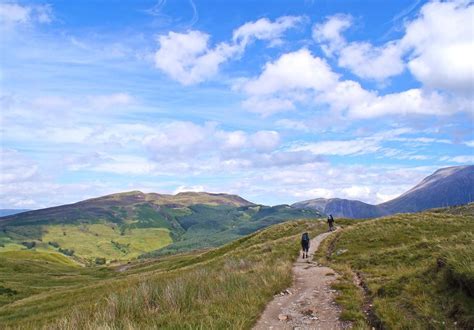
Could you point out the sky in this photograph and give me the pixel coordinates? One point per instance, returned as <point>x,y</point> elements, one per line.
<point>276,101</point>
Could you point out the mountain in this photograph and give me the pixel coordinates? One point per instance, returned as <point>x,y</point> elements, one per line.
<point>119,207</point>
<point>342,208</point>
<point>126,225</point>
<point>446,187</point>
<point>5,212</point>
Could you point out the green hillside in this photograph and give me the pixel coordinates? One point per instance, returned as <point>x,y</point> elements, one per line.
<point>125,226</point>
<point>222,288</point>
<point>416,270</point>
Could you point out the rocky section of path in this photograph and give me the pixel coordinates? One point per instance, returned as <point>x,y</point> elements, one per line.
<point>309,303</point>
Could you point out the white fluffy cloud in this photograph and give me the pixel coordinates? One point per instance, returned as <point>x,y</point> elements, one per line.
<point>362,58</point>
<point>442,47</point>
<point>438,44</point>
<point>367,61</point>
<point>329,34</point>
<point>292,72</point>
<point>264,29</point>
<point>189,59</point>
<point>286,81</point>
<point>300,77</point>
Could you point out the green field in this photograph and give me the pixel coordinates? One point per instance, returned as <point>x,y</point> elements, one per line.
<point>417,269</point>
<point>101,240</point>
<point>95,241</point>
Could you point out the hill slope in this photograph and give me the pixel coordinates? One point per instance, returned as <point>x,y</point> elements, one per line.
<point>5,212</point>
<point>415,271</point>
<point>342,208</point>
<point>126,225</point>
<point>413,275</point>
<point>223,288</point>
<point>446,187</point>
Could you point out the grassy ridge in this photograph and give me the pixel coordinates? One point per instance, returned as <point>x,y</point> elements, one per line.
<point>125,226</point>
<point>417,269</point>
<point>221,288</point>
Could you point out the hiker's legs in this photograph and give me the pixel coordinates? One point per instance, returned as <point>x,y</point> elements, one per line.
<point>305,251</point>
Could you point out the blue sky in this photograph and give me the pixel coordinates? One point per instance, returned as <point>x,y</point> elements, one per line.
<point>277,101</point>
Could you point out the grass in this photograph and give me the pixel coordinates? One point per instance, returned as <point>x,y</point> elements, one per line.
<point>417,269</point>
<point>107,241</point>
<point>33,273</point>
<point>91,241</point>
<point>227,287</point>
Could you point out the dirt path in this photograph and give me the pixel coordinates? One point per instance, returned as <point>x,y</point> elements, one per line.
<point>309,303</point>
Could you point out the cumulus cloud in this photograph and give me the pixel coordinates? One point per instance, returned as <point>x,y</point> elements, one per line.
<point>329,34</point>
<point>437,44</point>
<point>286,81</point>
<point>264,29</point>
<point>368,61</point>
<point>300,77</point>
<point>189,59</point>
<point>441,46</point>
<point>362,58</point>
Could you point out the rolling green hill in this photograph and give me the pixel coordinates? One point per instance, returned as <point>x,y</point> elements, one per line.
<point>416,271</point>
<point>127,225</point>
<point>225,287</point>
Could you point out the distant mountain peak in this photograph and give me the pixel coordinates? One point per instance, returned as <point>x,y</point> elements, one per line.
<point>447,186</point>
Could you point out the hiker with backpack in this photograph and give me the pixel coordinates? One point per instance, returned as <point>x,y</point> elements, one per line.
<point>331,222</point>
<point>305,244</point>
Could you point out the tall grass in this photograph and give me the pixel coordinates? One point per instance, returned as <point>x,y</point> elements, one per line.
<point>222,288</point>
<point>418,270</point>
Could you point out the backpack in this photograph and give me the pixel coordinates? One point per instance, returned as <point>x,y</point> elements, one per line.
<point>305,237</point>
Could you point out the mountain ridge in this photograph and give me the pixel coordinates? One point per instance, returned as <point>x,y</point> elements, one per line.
<point>435,190</point>
<point>126,225</point>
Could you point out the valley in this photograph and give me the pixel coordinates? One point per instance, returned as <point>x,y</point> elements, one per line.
<point>126,226</point>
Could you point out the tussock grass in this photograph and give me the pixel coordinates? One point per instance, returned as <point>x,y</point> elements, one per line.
<point>418,270</point>
<point>227,287</point>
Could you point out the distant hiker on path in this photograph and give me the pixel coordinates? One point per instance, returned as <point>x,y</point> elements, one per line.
<point>331,222</point>
<point>305,245</point>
